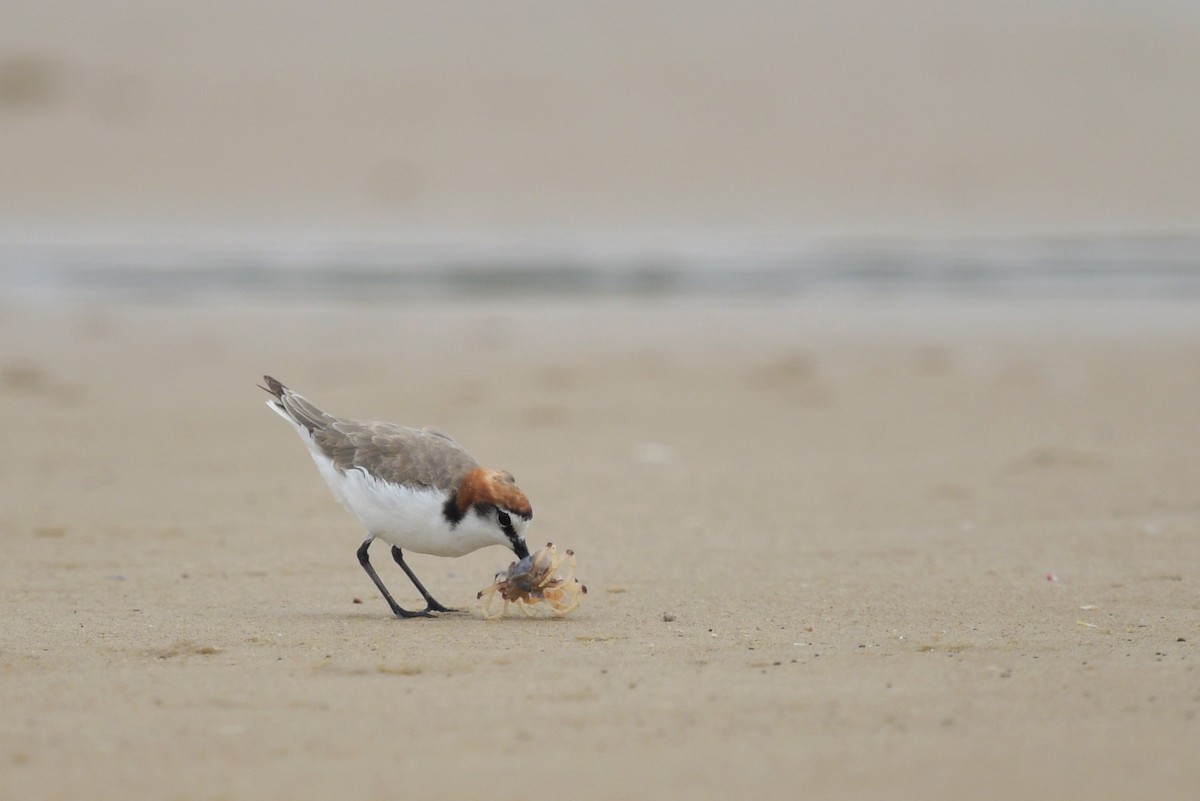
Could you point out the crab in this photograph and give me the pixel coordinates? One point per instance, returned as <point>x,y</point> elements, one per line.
<point>533,580</point>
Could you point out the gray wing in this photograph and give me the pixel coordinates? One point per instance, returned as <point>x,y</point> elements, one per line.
<point>395,453</point>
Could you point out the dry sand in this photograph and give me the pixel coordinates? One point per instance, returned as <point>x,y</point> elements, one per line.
<point>912,551</point>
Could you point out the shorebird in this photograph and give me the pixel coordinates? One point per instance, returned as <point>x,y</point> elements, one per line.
<point>413,488</point>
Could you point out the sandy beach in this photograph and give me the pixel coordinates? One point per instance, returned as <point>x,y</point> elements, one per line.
<point>775,311</point>
<point>912,550</point>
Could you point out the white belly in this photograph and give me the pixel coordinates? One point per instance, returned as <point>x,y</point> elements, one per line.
<point>409,518</point>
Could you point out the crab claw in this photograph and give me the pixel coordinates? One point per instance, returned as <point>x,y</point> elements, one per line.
<point>543,560</point>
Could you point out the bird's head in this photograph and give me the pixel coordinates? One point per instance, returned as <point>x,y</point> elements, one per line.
<point>507,506</point>
<point>513,527</point>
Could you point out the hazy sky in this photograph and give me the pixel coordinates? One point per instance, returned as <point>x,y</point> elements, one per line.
<point>789,118</point>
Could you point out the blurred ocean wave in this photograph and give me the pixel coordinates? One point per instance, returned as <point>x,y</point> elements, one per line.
<point>416,271</point>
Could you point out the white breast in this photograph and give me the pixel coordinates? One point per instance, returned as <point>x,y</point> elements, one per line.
<point>408,517</point>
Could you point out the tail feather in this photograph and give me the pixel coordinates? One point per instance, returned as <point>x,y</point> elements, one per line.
<point>296,407</point>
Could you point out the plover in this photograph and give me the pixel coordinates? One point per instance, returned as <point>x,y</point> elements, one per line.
<point>414,488</point>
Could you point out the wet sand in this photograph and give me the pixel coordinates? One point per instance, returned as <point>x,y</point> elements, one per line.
<point>911,551</point>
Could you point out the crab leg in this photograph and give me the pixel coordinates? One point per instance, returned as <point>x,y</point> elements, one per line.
<point>487,603</point>
<point>565,609</point>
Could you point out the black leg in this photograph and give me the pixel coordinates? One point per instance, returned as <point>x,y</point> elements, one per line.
<point>431,604</point>
<point>365,561</point>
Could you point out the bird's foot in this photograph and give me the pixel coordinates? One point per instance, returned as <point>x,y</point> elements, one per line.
<point>407,613</point>
<point>434,606</point>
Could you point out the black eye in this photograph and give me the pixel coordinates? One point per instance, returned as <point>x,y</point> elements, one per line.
<point>505,520</point>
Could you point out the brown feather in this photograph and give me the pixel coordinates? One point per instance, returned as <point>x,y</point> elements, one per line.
<point>495,487</point>
<point>296,406</point>
<point>400,455</point>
